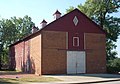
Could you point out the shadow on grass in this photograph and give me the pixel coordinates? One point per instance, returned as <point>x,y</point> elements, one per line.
<point>8,81</point>
<point>10,72</point>
<point>28,79</point>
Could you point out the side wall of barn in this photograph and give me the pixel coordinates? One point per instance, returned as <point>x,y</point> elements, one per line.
<point>16,56</point>
<point>35,54</point>
<point>12,61</point>
<point>26,55</point>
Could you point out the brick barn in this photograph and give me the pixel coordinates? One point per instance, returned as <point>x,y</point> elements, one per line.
<point>71,44</point>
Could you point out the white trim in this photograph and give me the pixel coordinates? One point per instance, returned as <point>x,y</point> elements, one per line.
<point>77,41</point>
<point>66,40</point>
<point>84,41</point>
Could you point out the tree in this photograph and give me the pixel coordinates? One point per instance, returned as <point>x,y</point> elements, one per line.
<point>6,36</point>
<point>23,25</point>
<point>100,11</point>
<point>113,66</point>
<point>12,30</point>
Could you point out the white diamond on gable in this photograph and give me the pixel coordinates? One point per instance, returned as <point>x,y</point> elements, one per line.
<point>75,21</point>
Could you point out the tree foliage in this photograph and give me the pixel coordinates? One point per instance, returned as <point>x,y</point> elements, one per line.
<point>12,30</point>
<point>100,11</point>
<point>113,66</point>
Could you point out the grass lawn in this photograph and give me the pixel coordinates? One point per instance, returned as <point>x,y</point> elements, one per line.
<point>25,79</point>
<point>8,81</point>
<point>9,72</point>
<point>28,79</point>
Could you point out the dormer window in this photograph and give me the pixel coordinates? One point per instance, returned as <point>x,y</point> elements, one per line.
<point>76,41</point>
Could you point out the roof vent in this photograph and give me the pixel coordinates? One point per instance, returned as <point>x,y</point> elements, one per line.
<point>57,14</point>
<point>34,29</point>
<point>43,23</point>
<point>75,20</point>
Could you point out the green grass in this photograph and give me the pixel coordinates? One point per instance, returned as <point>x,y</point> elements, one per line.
<point>8,81</point>
<point>9,72</point>
<point>24,79</point>
<point>38,79</point>
<point>28,79</point>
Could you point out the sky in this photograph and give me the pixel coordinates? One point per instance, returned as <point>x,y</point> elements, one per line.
<point>37,9</point>
<point>40,9</point>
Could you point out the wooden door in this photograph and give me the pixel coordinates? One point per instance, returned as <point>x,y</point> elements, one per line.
<point>75,62</point>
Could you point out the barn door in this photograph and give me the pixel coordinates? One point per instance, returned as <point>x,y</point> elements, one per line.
<point>75,62</point>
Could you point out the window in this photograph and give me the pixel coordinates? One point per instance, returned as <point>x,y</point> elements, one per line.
<point>75,41</point>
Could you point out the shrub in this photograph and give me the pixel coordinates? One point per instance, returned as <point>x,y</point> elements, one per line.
<point>113,66</point>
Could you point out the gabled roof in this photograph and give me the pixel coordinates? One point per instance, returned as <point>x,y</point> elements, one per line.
<point>100,28</point>
<point>47,26</point>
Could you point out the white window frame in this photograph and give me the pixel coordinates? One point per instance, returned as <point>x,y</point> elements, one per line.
<point>77,41</point>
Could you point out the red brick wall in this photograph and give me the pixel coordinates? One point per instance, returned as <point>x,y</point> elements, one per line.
<point>12,63</point>
<point>53,52</point>
<point>26,56</point>
<point>35,54</point>
<point>95,53</point>
<point>18,49</point>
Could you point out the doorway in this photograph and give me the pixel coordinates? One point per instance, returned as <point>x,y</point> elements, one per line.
<point>76,62</point>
